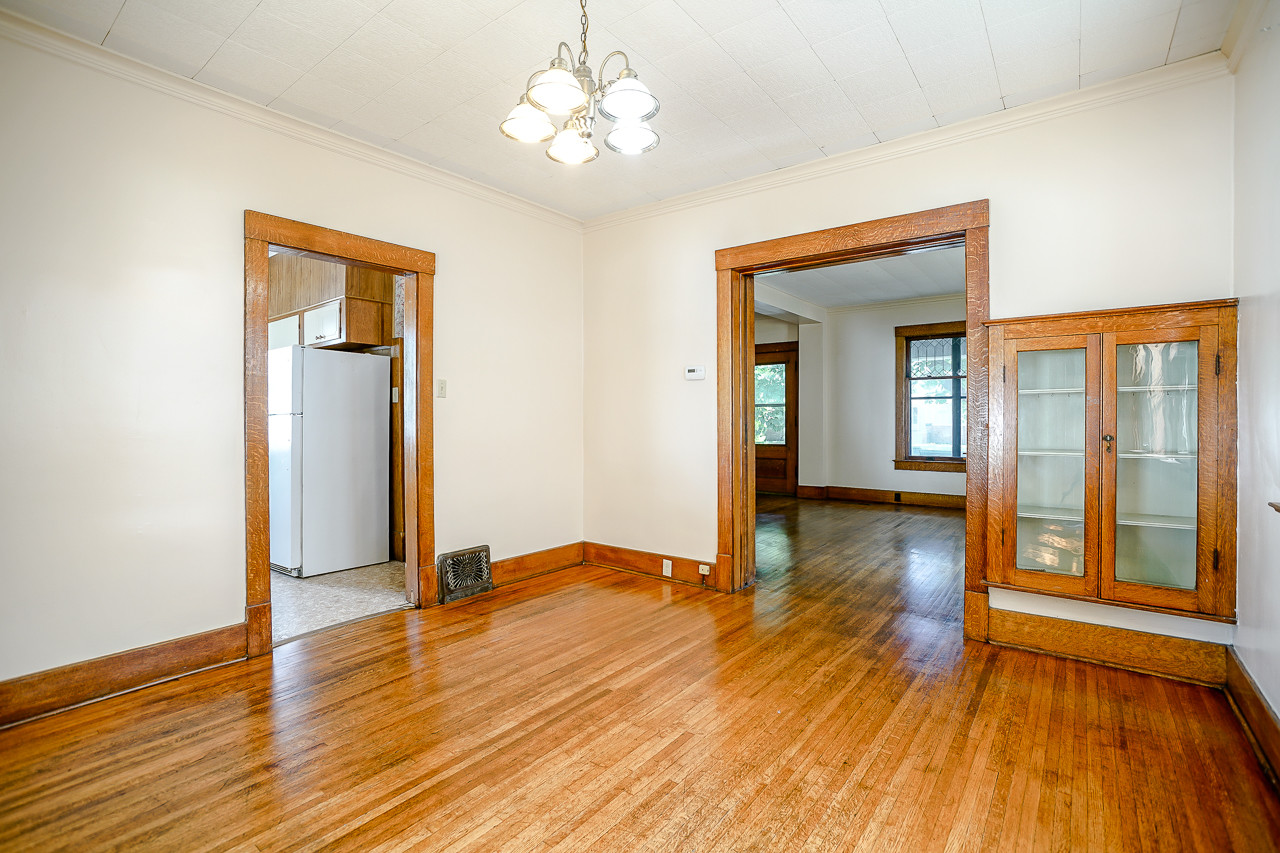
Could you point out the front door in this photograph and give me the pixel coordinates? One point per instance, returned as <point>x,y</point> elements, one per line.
<point>776,395</point>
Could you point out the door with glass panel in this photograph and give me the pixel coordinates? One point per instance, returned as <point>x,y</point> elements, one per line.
<point>1051,414</point>
<point>776,417</point>
<point>1158,422</point>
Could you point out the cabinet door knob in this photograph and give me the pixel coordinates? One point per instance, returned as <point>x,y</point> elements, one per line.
<point>1108,439</point>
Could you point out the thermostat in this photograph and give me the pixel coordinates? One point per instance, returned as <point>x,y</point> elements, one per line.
<point>695,372</point>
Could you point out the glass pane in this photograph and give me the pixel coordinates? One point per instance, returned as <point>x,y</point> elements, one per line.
<point>931,388</point>
<point>931,427</point>
<point>1156,467</point>
<point>1051,470</point>
<point>933,357</point>
<point>771,383</point>
<point>771,409</point>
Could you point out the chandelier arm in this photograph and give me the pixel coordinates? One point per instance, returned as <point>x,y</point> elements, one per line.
<point>625,61</point>
<point>564,46</point>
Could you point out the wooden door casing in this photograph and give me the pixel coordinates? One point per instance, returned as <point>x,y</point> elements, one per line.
<point>777,465</point>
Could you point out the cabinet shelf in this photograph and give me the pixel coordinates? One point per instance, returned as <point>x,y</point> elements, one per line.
<point>1145,454</point>
<point>1137,389</point>
<point>1053,513</point>
<point>1022,391</point>
<point>1177,522</point>
<point>1051,453</point>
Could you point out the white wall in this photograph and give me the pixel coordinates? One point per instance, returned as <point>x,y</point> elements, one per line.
<point>770,330</point>
<point>121,354</point>
<point>861,379</point>
<point>1115,197</point>
<point>1257,259</point>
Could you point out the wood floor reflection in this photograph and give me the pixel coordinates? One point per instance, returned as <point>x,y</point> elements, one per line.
<point>835,706</point>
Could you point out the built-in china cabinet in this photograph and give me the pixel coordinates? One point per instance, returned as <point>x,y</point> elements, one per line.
<point>1112,457</point>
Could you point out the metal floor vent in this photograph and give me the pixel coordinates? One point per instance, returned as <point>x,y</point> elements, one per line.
<point>463,573</point>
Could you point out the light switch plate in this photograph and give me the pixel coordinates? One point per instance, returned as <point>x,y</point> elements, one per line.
<point>442,387</point>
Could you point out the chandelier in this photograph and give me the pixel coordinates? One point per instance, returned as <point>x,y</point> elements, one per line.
<point>581,98</point>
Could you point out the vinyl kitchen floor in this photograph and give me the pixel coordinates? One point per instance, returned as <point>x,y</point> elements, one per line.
<point>302,605</point>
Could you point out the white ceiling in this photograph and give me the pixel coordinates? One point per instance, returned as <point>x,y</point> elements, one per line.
<point>930,273</point>
<point>746,86</point>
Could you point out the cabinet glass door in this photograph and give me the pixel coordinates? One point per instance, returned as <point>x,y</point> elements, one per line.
<point>1053,414</point>
<point>1152,465</point>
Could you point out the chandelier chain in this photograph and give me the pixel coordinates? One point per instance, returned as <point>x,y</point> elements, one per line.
<point>582,57</point>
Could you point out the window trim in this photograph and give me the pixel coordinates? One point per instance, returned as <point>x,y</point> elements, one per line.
<point>903,460</point>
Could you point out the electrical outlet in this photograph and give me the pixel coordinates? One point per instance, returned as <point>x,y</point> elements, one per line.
<point>704,569</point>
<point>666,568</point>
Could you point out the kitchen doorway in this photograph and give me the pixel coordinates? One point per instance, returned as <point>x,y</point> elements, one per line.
<point>378,314</point>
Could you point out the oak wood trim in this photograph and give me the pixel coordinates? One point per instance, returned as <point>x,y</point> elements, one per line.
<point>683,569</point>
<point>735,268</point>
<point>836,244</point>
<point>258,629</point>
<point>1255,712</point>
<point>976,610</point>
<point>1156,654</point>
<point>931,330</point>
<point>530,565</point>
<point>1128,605</point>
<point>64,687</point>
<point>1228,437</point>
<point>786,353</point>
<point>418,267</point>
<point>917,464</point>
<point>902,335</point>
<point>780,346</point>
<point>886,496</point>
<point>812,493</point>
<point>339,244</point>
<point>1075,316</point>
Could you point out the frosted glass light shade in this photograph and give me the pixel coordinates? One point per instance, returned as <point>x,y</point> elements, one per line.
<point>527,123</point>
<point>557,91</point>
<point>628,98</point>
<point>631,137</point>
<point>572,149</point>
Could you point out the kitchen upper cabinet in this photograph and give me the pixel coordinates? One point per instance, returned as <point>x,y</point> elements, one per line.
<point>283,332</point>
<point>322,324</point>
<point>1113,457</point>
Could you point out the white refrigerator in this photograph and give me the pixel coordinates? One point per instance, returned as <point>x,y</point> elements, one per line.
<point>328,434</point>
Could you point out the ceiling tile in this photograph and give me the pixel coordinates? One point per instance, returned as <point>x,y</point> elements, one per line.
<point>702,62</point>
<point>1130,64</point>
<point>353,71</point>
<point>498,50</point>
<point>322,98</point>
<point>1026,96</point>
<point>332,20</point>
<point>814,104</point>
<point>221,17</point>
<point>1031,33</point>
<point>1101,15</point>
<point>859,50</point>
<point>1034,71</point>
<point>959,93</point>
<point>820,20</point>
<point>923,26</point>
<point>392,45</point>
<point>715,16</point>
<point>785,76</point>
<point>492,9</point>
<point>996,12</point>
<point>162,38</point>
<point>362,133</point>
<point>85,19</point>
<point>911,127</point>
<point>543,29</point>
<point>899,110</point>
<point>1118,46</point>
<point>659,29</point>
<point>251,75</point>
<point>442,22</point>
<point>967,55</point>
<point>968,111</point>
<point>384,119</point>
<point>886,80</point>
<point>281,40</point>
<point>734,95</point>
<point>762,39</point>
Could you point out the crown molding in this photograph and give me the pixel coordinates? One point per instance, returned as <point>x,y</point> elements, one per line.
<point>24,31</point>
<point>1186,73</point>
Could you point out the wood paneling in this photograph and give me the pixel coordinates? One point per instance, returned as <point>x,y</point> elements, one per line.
<point>884,496</point>
<point>57,689</point>
<point>1255,713</point>
<point>1190,660</point>
<point>833,707</point>
<point>813,493</point>
<point>735,269</point>
<point>299,282</point>
<point>683,569</point>
<point>371,284</point>
<point>537,563</point>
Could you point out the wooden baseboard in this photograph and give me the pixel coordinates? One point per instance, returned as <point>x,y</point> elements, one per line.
<point>812,493</point>
<point>514,569</point>
<point>1255,713</point>
<point>66,686</point>
<point>882,496</point>
<point>976,608</point>
<point>1174,657</point>
<point>683,569</point>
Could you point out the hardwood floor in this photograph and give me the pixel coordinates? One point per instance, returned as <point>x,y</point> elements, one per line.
<point>834,706</point>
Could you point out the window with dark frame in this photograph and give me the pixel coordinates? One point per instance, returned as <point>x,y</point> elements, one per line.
<point>932,390</point>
